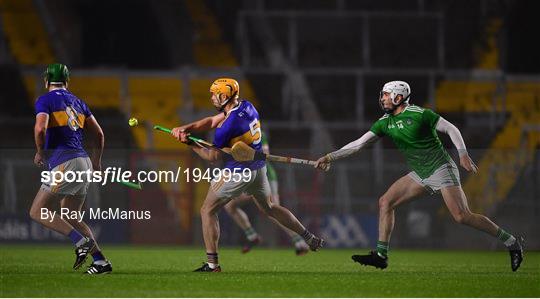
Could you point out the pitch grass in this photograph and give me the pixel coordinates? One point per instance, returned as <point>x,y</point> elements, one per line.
<point>45,271</point>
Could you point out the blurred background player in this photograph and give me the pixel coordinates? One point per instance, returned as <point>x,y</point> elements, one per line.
<point>238,120</point>
<point>414,131</point>
<point>58,132</point>
<point>240,217</point>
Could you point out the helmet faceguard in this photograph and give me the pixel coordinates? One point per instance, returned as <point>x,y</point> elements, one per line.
<point>226,86</point>
<point>395,88</point>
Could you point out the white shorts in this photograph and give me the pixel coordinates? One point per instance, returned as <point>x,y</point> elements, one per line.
<point>257,186</point>
<point>445,176</point>
<point>70,188</point>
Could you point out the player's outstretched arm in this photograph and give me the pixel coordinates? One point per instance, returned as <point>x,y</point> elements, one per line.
<point>208,123</point>
<point>97,138</point>
<point>465,160</point>
<point>349,149</point>
<point>40,128</point>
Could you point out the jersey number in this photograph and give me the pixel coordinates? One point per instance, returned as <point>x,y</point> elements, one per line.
<point>255,130</point>
<point>73,120</point>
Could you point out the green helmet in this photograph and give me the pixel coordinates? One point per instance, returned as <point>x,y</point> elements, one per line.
<point>56,73</point>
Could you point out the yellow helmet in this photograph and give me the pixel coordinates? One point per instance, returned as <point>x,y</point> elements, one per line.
<point>226,86</point>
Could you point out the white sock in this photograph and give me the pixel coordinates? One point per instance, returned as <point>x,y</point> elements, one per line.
<point>100,262</point>
<point>510,241</point>
<point>300,244</point>
<point>81,241</point>
<point>252,237</point>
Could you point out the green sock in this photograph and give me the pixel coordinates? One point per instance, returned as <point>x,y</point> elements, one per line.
<point>505,237</point>
<point>382,248</point>
<point>251,234</point>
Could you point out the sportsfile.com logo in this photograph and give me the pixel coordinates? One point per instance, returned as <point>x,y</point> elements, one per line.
<point>118,175</point>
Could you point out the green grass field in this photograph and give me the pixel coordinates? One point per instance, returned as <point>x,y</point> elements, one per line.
<point>45,271</point>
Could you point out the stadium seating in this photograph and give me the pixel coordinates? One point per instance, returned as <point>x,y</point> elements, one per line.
<point>155,100</point>
<point>25,33</point>
<point>10,76</point>
<point>209,47</point>
<point>114,34</point>
<point>511,150</point>
<point>466,96</point>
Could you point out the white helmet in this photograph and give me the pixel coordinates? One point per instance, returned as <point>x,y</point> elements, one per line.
<point>396,88</point>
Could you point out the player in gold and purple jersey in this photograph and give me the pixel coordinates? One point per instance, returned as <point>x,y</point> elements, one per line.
<point>234,209</point>
<point>61,118</point>
<point>237,120</point>
<point>414,131</point>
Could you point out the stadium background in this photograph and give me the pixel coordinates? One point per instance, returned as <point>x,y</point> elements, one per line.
<point>314,70</point>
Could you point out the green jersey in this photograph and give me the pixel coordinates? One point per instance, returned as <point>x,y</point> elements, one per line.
<point>270,171</point>
<point>413,132</point>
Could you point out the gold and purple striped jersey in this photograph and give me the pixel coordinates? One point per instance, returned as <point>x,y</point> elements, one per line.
<point>241,124</point>
<point>64,135</point>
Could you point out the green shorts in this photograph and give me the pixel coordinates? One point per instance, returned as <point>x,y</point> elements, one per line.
<point>271,172</point>
<point>272,178</point>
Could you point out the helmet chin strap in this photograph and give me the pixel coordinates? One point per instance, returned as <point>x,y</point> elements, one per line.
<point>394,106</point>
<point>222,107</point>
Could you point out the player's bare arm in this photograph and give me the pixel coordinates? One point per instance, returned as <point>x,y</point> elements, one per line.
<point>98,141</point>
<point>40,128</point>
<point>448,128</point>
<point>206,124</point>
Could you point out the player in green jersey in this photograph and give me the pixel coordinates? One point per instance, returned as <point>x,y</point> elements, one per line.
<point>234,210</point>
<point>414,131</point>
